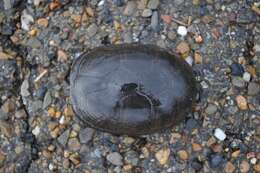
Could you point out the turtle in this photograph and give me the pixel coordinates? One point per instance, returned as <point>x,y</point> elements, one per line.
<point>131,89</point>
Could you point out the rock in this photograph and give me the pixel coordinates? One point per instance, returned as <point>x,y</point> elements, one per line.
<point>171,35</point>
<point>253,88</point>
<point>24,88</point>
<point>155,21</point>
<point>241,102</point>
<point>118,3</point>
<point>198,39</point>
<point>20,114</point>
<point>183,49</point>
<point>191,124</point>
<point>63,138</point>
<point>182,31</point>
<point>37,2</point>
<point>130,8</point>
<point>162,155</point>
<point>43,22</point>
<point>166,18</point>
<point>26,20</point>
<point>75,159</point>
<point>66,163</point>
<point>211,109</point>
<point>32,32</point>
<point>36,131</point>
<point>196,147</point>
<point>8,106</point>
<point>244,166</point>
<point>238,82</point>
<point>62,56</point>
<point>216,160</point>
<point>246,76</point>
<point>256,167</point>
<point>229,168</point>
<point>220,134</point>
<point>131,157</point>
<point>115,158</point>
<point>85,135</point>
<point>196,165</point>
<point>235,154</point>
<point>6,128</point>
<point>236,69</point>
<point>74,144</point>
<point>5,56</point>
<point>189,60</point>
<point>153,4</point>
<point>183,155</point>
<point>47,100</point>
<point>197,58</point>
<point>92,30</point>
<point>2,158</point>
<point>147,13</point>
<point>34,43</point>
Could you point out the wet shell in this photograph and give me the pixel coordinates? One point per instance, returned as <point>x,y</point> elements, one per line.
<point>131,89</point>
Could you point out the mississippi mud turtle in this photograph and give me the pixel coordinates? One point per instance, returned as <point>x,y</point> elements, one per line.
<point>131,89</point>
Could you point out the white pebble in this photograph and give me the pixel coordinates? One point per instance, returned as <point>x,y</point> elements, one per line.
<point>246,76</point>
<point>62,120</point>
<point>36,131</point>
<point>253,161</point>
<point>182,31</point>
<point>26,20</point>
<point>101,3</point>
<point>189,60</point>
<point>220,134</point>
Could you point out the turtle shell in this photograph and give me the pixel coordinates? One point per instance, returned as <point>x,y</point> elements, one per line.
<point>131,89</point>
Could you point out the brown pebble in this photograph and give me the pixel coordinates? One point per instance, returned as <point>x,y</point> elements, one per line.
<point>62,56</point>
<point>241,102</point>
<point>43,22</point>
<point>68,112</point>
<point>183,49</point>
<point>32,32</point>
<point>53,5</point>
<point>47,154</point>
<point>74,144</point>
<point>197,58</point>
<point>55,132</point>
<point>2,157</point>
<point>75,159</point>
<point>162,155</point>
<point>198,39</point>
<point>229,168</point>
<point>183,155</point>
<point>244,166</point>
<point>235,154</point>
<point>166,18</point>
<point>257,167</point>
<point>66,163</point>
<point>196,147</point>
<point>90,11</point>
<point>9,105</point>
<point>6,128</point>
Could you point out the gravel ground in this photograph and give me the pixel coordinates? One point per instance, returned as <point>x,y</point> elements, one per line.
<point>39,39</point>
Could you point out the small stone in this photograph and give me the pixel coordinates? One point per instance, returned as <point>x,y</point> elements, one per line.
<point>256,167</point>
<point>147,13</point>
<point>47,100</point>
<point>63,138</point>
<point>130,8</point>
<point>166,18</point>
<point>75,159</point>
<point>155,21</point>
<point>197,58</point>
<point>74,144</point>
<point>195,2</point>
<point>238,82</point>
<point>5,56</point>
<point>189,60</point>
<point>26,20</point>
<point>162,155</point>
<point>24,88</point>
<point>66,163</point>
<point>32,32</point>
<point>68,112</point>
<point>211,109</point>
<point>62,56</point>
<point>216,160</point>
<point>183,155</point>
<point>90,11</point>
<point>43,22</point>
<point>153,4</point>
<point>20,114</point>
<point>183,49</point>
<point>182,31</point>
<point>241,102</point>
<point>37,2</point>
<point>198,39</point>
<point>85,135</point>
<point>229,168</point>
<point>6,129</point>
<point>2,158</point>
<point>55,132</point>
<point>237,69</point>
<point>115,158</point>
<point>36,131</point>
<point>244,166</point>
<point>51,111</point>
<point>253,88</point>
<point>33,42</point>
<point>8,106</point>
<point>246,76</point>
<point>54,5</point>
<point>197,165</point>
<point>253,161</point>
<point>196,147</point>
<point>220,134</point>
<point>235,154</point>
<point>92,30</point>
<point>171,35</point>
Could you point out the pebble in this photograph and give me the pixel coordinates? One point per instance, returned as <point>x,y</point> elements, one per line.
<point>196,147</point>
<point>2,158</point>
<point>237,69</point>
<point>241,102</point>
<point>183,155</point>
<point>92,30</point>
<point>183,49</point>
<point>191,124</point>
<point>197,165</point>
<point>155,21</point>
<point>47,100</point>
<point>189,60</point>
<point>153,4</point>
<point>24,88</point>
<point>115,158</point>
<point>43,22</point>
<point>238,82</point>
<point>197,58</point>
<point>8,106</point>
<point>63,138</point>
<point>220,134</point>
<point>85,135</point>
<point>36,131</point>
<point>253,88</point>
<point>211,109</point>
<point>198,39</point>
<point>162,155</point>
<point>34,43</point>
<point>246,76</point>
<point>74,144</point>
<point>6,129</point>
<point>20,114</point>
<point>216,160</point>
<point>26,20</point>
<point>257,167</point>
<point>229,167</point>
<point>244,166</point>
<point>182,31</point>
<point>147,13</point>
<point>75,159</point>
<point>5,56</point>
<point>171,35</point>
<point>166,18</point>
<point>62,56</point>
<point>130,8</point>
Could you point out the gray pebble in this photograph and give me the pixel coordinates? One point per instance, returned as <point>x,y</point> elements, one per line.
<point>153,4</point>
<point>47,100</point>
<point>155,21</point>
<point>92,30</point>
<point>24,88</point>
<point>130,8</point>
<point>147,13</point>
<point>115,158</point>
<point>211,109</point>
<point>34,43</point>
<point>253,88</point>
<point>238,82</point>
<point>86,135</point>
<point>63,138</point>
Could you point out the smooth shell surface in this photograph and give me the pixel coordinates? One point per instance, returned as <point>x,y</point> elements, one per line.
<point>131,89</point>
